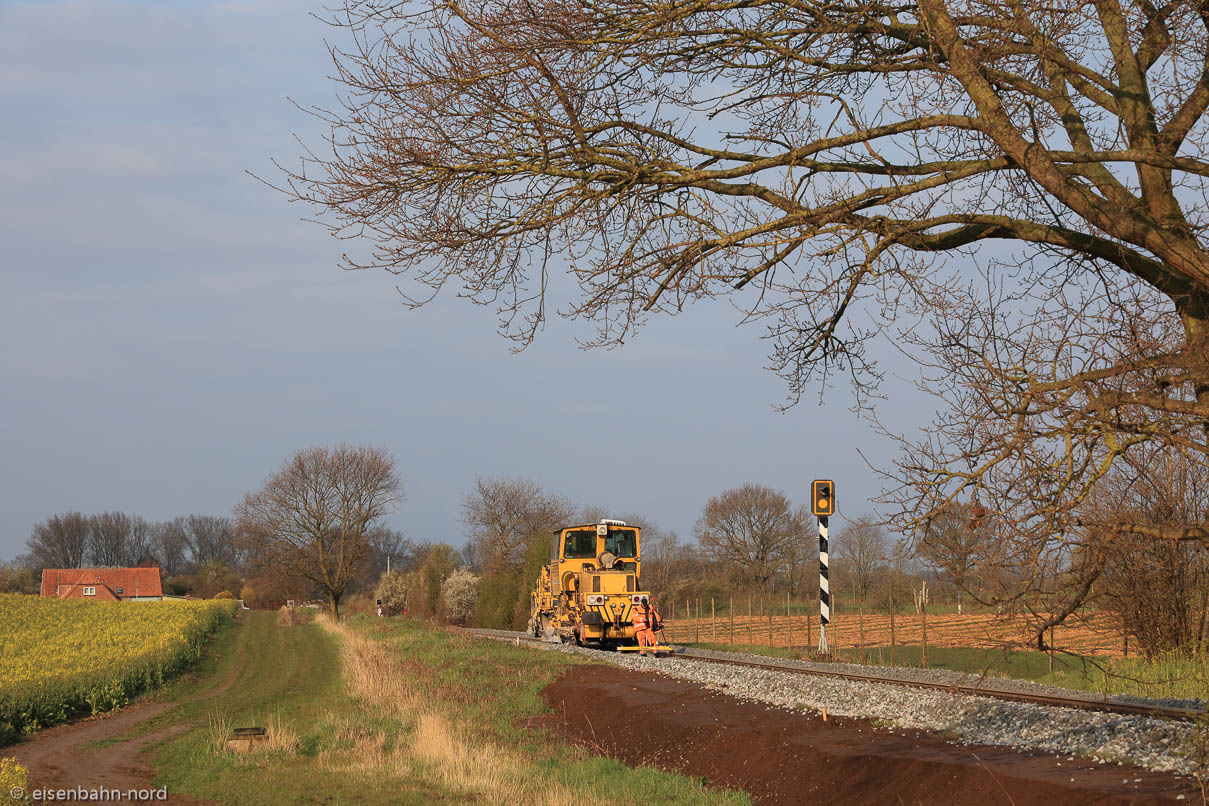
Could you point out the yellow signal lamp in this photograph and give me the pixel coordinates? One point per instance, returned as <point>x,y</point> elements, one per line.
<point>822,497</point>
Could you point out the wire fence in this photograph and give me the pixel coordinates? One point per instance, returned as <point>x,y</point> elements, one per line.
<point>794,625</point>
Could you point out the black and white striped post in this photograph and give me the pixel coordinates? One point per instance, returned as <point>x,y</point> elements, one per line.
<point>822,504</point>
<point>824,587</point>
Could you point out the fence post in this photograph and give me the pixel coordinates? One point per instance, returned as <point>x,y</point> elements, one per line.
<point>750,641</point>
<point>924,636</point>
<point>697,624</point>
<point>732,618</point>
<point>892,641</point>
<point>808,629</point>
<point>861,627</point>
<point>835,627</point>
<point>669,629</point>
<point>1051,649</point>
<point>788,623</point>
<point>713,624</point>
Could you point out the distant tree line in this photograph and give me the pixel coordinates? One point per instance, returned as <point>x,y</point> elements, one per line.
<point>194,552</point>
<point>315,530</point>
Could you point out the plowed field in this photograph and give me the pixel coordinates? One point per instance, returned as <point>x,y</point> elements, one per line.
<point>1095,636</point>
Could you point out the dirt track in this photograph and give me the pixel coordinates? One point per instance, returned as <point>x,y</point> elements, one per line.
<point>57,757</point>
<point>782,757</point>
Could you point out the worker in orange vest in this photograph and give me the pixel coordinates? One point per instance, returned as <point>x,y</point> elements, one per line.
<point>645,620</point>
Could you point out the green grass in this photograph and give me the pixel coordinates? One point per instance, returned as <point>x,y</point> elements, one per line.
<point>286,673</point>
<point>491,687</point>
<point>1171,676</point>
<point>291,676</point>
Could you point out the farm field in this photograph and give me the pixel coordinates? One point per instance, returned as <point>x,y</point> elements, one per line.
<point>390,711</point>
<point>70,658</point>
<point>368,712</point>
<point>1089,636</point>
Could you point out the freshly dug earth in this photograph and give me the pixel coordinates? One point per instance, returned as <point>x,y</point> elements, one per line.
<point>786,757</point>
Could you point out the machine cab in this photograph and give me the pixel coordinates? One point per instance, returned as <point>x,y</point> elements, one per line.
<point>609,545</point>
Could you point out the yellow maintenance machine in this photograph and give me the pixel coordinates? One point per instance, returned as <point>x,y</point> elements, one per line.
<point>586,592</point>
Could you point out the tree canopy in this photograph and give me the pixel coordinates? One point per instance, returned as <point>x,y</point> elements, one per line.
<point>838,168</point>
<point>317,517</point>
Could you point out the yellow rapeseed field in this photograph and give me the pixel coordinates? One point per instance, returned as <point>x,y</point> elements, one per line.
<point>61,658</point>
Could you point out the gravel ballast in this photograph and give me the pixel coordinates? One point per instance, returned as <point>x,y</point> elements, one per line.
<point>1155,744</point>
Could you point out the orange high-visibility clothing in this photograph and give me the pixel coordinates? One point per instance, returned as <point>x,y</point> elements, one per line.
<point>643,619</point>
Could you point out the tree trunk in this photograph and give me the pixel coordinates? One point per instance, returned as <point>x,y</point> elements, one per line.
<point>333,605</point>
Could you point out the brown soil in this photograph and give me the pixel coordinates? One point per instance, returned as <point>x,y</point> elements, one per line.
<point>57,757</point>
<point>783,757</point>
<point>1085,637</point>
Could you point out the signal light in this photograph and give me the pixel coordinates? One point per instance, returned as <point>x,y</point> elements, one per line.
<point>822,497</point>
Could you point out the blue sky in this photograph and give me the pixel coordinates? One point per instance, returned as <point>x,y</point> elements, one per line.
<point>172,330</point>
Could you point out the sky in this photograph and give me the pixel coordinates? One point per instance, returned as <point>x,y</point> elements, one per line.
<point>173,330</point>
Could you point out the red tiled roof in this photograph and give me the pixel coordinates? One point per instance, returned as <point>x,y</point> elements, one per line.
<point>133,581</point>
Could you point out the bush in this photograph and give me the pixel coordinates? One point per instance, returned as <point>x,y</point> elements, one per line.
<point>359,604</point>
<point>224,595</point>
<point>393,589</point>
<point>438,564</point>
<point>497,599</point>
<point>459,595</point>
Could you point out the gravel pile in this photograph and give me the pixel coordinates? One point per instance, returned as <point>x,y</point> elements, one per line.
<point>1145,741</point>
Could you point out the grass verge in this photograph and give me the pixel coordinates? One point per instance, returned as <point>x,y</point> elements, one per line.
<point>389,711</point>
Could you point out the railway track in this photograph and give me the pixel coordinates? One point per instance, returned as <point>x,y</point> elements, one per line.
<point>982,689</point>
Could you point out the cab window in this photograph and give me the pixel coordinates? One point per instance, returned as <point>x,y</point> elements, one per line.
<point>622,543</point>
<point>579,545</point>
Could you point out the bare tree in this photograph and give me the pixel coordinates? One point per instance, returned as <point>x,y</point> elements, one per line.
<point>169,545</point>
<point>60,542</point>
<point>752,528</point>
<point>957,542</point>
<point>821,163</point>
<point>503,515</point>
<point>314,517</point>
<point>1159,592</point>
<point>211,537</point>
<point>863,545</point>
<point>118,539</point>
<point>383,544</point>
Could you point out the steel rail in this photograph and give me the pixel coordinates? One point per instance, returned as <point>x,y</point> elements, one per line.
<point>1082,703</point>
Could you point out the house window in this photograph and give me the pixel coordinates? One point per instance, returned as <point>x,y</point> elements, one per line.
<point>119,590</point>
<point>90,591</point>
